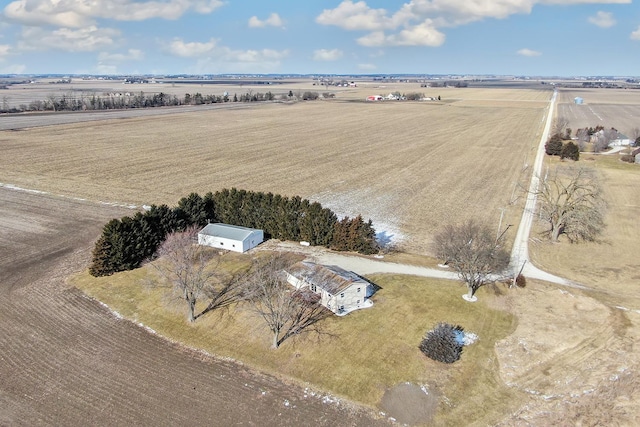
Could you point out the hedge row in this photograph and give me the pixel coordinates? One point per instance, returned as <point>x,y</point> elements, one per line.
<point>126,243</point>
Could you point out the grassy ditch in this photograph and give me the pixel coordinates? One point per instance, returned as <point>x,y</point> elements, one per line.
<point>361,355</point>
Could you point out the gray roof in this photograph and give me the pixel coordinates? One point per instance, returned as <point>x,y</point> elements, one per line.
<point>331,278</point>
<point>226,231</point>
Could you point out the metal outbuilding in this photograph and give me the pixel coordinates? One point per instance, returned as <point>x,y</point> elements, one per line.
<point>230,237</point>
<point>578,100</point>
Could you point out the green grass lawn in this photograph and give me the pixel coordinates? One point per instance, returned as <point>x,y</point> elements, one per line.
<point>360,356</point>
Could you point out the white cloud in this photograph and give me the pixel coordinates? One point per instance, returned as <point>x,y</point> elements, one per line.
<point>355,16</point>
<point>273,20</point>
<point>327,55</point>
<point>419,35</point>
<point>5,49</point>
<point>367,67</point>
<point>86,39</point>
<point>106,69</point>
<point>528,52</point>
<point>131,55</point>
<point>80,13</point>
<point>13,69</point>
<point>214,52</point>
<point>418,22</point>
<point>268,55</point>
<point>636,34</point>
<point>179,47</point>
<point>603,19</point>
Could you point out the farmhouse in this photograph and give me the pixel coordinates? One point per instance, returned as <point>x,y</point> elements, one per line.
<point>230,237</point>
<point>621,141</point>
<point>341,291</point>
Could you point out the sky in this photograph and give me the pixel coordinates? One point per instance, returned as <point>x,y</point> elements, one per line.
<point>476,37</point>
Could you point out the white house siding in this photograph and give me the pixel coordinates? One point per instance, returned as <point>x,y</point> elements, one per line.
<point>343,301</point>
<point>221,243</point>
<point>350,298</point>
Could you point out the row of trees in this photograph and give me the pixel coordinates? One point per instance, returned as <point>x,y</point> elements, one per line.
<point>126,243</point>
<point>555,146</point>
<point>195,276</point>
<point>598,136</point>
<point>119,101</point>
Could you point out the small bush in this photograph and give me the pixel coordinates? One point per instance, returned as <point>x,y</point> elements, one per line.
<point>570,151</point>
<point>443,343</point>
<point>521,281</point>
<point>628,158</point>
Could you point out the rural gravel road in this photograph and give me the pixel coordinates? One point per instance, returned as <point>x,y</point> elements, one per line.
<point>520,250</point>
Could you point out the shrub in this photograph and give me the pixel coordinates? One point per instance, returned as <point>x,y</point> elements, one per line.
<point>443,343</point>
<point>570,151</point>
<point>553,147</point>
<point>628,158</point>
<point>521,281</point>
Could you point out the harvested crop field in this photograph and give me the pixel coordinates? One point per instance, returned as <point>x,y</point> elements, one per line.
<point>615,108</point>
<point>409,166</point>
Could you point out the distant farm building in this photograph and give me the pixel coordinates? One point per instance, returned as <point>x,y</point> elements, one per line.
<point>621,141</point>
<point>577,100</point>
<point>374,98</point>
<point>340,291</point>
<point>230,237</point>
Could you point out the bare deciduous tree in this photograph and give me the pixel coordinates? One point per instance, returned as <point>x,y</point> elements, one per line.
<point>285,310</point>
<point>634,134</point>
<point>603,139</point>
<point>560,125</point>
<point>583,138</point>
<point>571,203</point>
<point>194,274</point>
<point>473,251</point>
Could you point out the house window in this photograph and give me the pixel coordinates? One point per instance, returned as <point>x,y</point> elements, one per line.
<point>358,289</point>
<point>313,288</point>
<point>221,243</point>
<point>358,302</point>
<point>342,295</point>
<point>342,308</point>
<point>233,246</point>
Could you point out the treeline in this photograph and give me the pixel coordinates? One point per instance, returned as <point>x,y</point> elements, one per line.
<point>121,101</point>
<point>127,242</point>
<point>555,146</point>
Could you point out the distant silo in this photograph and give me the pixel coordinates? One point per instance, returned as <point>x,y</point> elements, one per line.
<point>578,100</point>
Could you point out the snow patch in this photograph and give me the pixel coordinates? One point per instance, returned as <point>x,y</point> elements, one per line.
<point>469,338</point>
<point>25,190</point>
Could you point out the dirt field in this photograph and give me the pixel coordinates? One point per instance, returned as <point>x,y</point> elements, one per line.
<point>65,360</point>
<point>407,166</point>
<point>617,108</point>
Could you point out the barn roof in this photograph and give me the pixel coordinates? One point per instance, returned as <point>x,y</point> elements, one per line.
<point>331,278</point>
<point>226,231</point>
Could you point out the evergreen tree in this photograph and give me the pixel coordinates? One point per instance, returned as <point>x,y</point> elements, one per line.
<point>570,151</point>
<point>553,147</point>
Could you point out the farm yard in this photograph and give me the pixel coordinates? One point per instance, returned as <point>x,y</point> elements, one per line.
<point>409,166</point>
<point>65,360</point>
